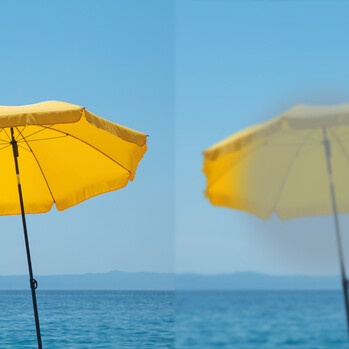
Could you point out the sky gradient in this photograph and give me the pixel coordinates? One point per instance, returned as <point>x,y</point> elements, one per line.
<point>188,73</point>
<point>115,59</point>
<point>239,63</point>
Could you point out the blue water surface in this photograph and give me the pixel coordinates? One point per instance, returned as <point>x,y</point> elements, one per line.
<point>88,319</point>
<point>261,320</point>
<point>154,319</point>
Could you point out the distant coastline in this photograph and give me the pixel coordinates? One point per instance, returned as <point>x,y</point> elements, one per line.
<point>117,280</point>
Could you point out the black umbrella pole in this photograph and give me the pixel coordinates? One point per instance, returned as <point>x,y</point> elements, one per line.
<point>341,259</point>
<point>33,282</point>
<point>336,223</point>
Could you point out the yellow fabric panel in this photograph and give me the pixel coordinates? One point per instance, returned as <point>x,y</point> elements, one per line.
<point>126,153</point>
<point>44,113</point>
<point>299,117</point>
<point>75,171</point>
<point>37,197</point>
<point>54,112</point>
<point>121,131</point>
<point>66,155</point>
<point>243,138</point>
<point>281,169</point>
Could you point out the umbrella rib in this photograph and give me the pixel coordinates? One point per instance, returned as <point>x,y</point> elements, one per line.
<point>7,135</point>
<point>1,131</point>
<point>45,139</point>
<point>340,144</point>
<point>32,134</point>
<point>37,161</point>
<point>24,148</point>
<point>295,155</point>
<point>265,143</point>
<point>20,133</point>
<point>3,140</point>
<point>5,146</point>
<point>90,145</point>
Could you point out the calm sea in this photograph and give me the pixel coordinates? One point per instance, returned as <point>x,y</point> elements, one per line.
<point>88,319</point>
<point>261,320</point>
<point>131,319</point>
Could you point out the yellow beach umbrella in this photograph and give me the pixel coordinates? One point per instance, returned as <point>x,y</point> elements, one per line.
<point>60,153</point>
<point>295,165</point>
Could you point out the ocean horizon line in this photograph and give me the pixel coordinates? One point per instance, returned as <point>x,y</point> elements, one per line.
<point>118,280</point>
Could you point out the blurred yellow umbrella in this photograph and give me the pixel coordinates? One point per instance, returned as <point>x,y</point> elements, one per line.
<point>295,165</point>
<point>63,155</point>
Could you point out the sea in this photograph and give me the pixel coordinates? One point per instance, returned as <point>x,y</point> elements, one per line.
<point>183,319</point>
<point>261,320</point>
<point>88,319</point>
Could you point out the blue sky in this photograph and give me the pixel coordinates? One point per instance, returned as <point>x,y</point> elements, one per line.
<point>239,63</point>
<point>189,74</point>
<point>116,59</point>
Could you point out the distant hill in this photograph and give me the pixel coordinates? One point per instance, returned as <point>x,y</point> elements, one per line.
<point>256,281</point>
<point>117,280</point>
<point>114,280</point>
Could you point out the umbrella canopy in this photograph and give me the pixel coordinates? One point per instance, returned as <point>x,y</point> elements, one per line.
<point>295,165</point>
<point>60,153</point>
<point>67,155</point>
<point>281,166</point>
